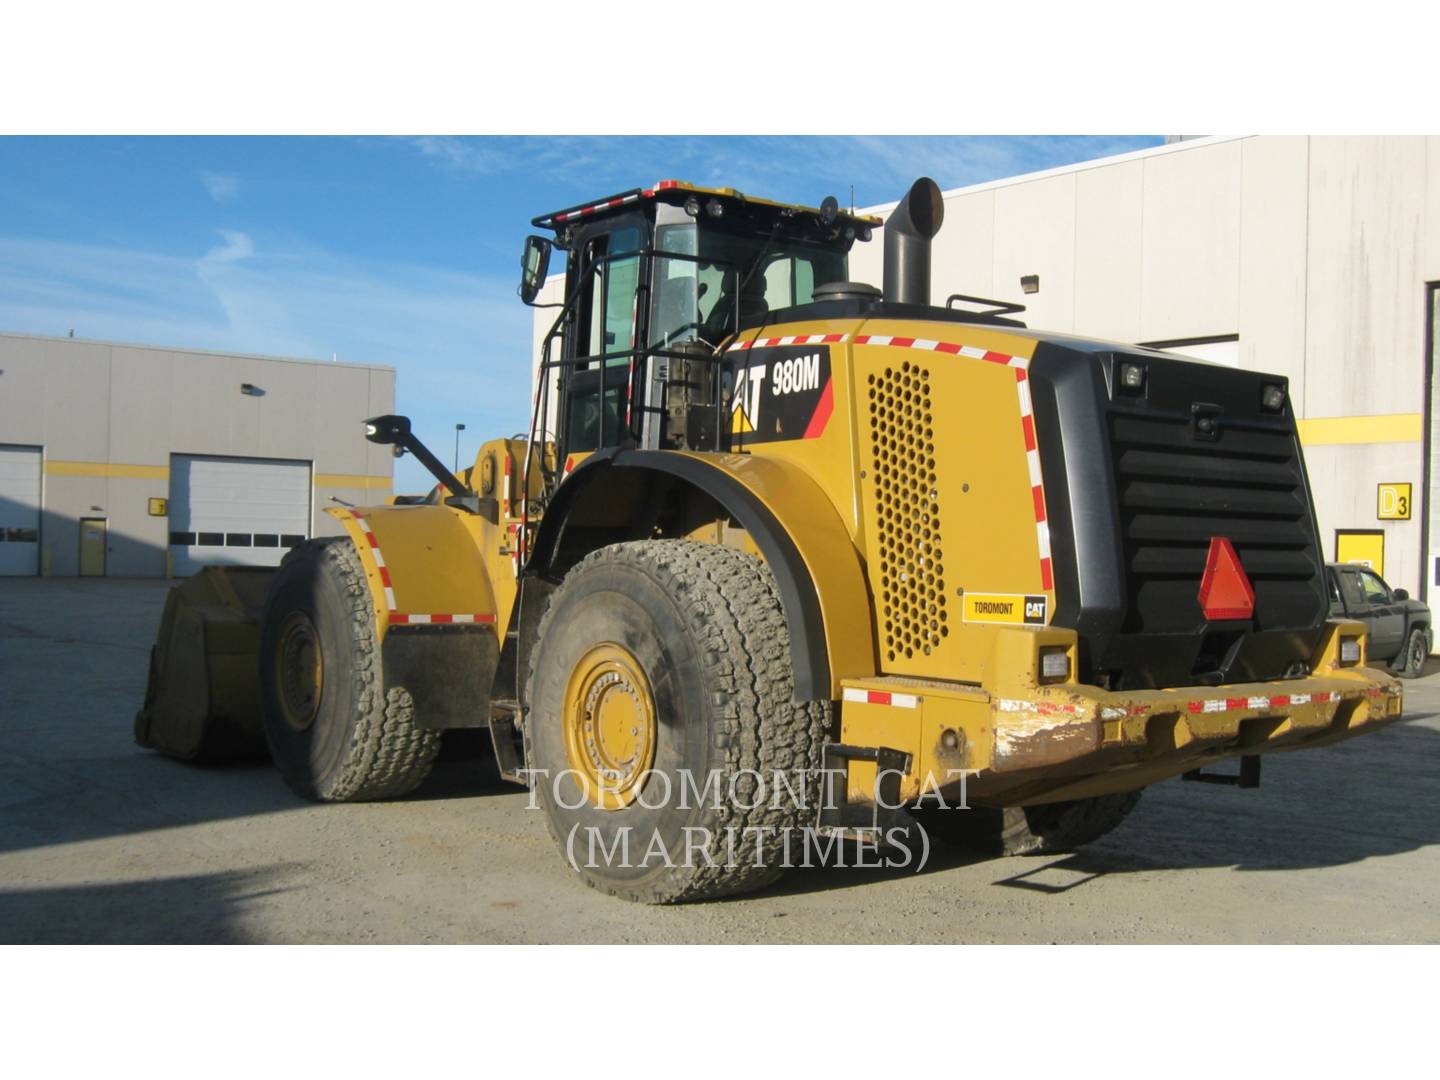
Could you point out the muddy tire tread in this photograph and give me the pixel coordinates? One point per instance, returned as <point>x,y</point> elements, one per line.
<point>388,755</point>
<point>732,606</point>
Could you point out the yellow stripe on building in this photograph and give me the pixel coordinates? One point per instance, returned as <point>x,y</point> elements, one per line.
<point>353,480</point>
<point>106,469</point>
<point>1349,430</point>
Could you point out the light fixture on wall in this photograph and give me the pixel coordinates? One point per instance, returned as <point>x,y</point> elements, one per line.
<point>251,390</point>
<point>1029,283</point>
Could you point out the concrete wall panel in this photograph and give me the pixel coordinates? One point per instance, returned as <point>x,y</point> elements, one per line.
<point>1109,251</point>
<point>1191,248</point>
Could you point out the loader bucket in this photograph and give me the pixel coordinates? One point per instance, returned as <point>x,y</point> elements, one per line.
<point>202,702</point>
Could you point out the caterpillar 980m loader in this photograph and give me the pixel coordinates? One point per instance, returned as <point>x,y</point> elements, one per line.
<point>823,550</point>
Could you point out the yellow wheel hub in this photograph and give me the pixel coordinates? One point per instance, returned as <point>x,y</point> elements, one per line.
<point>301,671</point>
<point>610,729</point>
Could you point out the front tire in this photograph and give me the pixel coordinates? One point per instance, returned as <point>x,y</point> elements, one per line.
<point>336,733</point>
<point>662,664</point>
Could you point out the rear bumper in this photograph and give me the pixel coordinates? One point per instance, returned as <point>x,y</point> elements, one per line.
<point>1085,741</point>
<point>1024,742</point>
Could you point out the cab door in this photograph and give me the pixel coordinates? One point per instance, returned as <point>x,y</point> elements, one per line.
<point>600,340</point>
<point>1384,613</point>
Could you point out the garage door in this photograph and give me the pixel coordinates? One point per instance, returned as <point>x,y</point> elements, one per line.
<point>19,510</point>
<point>228,511</point>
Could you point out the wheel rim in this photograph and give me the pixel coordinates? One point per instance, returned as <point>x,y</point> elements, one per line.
<point>301,669</point>
<point>610,729</point>
<point>1418,655</point>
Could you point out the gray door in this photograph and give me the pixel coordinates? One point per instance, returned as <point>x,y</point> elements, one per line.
<point>19,510</point>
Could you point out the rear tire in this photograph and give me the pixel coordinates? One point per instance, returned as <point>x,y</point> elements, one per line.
<point>1046,829</point>
<point>659,659</point>
<point>335,732</point>
<point>1410,664</point>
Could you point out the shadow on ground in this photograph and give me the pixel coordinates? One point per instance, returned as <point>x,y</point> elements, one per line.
<point>203,909</point>
<point>1367,798</point>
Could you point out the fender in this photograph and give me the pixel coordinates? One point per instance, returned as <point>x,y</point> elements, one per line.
<point>793,523</point>
<point>435,610</point>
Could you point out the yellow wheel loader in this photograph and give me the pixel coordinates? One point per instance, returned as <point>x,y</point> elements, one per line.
<point>783,552</point>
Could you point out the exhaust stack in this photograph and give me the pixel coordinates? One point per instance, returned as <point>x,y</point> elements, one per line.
<point>908,232</point>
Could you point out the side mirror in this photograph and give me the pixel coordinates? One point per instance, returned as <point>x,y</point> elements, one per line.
<point>1402,594</point>
<point>534,263</point>
<point>387,430</point>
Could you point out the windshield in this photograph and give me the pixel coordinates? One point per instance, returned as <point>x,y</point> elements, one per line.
<point>695,297</point>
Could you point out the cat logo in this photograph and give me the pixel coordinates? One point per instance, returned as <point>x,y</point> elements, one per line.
<point>781,392</point>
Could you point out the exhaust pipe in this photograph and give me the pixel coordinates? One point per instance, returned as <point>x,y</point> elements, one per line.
<point>908,232</point>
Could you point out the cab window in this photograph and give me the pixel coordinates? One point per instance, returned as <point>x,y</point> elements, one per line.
<point>696,296</point>
<point>1376,592</point>
<point>610,312</point>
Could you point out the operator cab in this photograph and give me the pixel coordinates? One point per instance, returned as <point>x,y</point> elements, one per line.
<point>656,281</point>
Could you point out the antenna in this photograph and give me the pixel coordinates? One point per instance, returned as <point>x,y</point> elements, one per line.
<point>852,200</point>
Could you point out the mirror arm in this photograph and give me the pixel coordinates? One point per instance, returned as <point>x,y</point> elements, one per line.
<point>434,465</point>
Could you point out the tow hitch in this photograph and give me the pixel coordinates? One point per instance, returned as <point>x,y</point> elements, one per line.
<point>1248,776</point>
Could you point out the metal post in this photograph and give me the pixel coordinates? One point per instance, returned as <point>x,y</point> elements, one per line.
<point>458,428</point>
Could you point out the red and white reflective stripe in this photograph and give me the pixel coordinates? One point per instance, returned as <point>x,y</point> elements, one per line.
<point>789,339</point>
<point>880,697</point>
<point>401,619</point>
<point>950,348</point>
<point>379,560</point>
<point>608,204</point>
<point>1037,485</point>
<point>1278,701</point>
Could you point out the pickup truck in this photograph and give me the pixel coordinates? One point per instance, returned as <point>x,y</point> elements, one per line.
<point>1400,629</point>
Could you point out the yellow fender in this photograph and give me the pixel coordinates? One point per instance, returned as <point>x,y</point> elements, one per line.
<point>423,566</point>
<point>787,516</point>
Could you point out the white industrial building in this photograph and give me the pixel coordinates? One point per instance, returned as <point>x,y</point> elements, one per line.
<point>131,461</point>
<point>1316,258</point>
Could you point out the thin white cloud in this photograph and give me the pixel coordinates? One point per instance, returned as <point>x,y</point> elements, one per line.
<point>222,187</point>
<point>803,168</point>
<point>237,246</point>
<point>480,156</point>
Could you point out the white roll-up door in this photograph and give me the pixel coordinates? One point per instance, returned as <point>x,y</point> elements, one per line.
<point>227,511</point>
<point>19,510</point>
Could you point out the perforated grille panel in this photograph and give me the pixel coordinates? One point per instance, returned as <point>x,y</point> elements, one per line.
<point>907,510</point>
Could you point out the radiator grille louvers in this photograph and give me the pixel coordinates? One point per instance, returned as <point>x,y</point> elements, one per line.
<point>1175,492</point>
<point>907,509</point>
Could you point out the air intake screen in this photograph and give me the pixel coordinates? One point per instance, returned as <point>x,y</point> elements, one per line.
<point>907,511</point>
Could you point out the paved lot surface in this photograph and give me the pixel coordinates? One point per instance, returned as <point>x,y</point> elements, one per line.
<point>101,841</point>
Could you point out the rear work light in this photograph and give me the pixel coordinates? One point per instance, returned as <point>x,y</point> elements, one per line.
<point>1349,651</point>
<point>1054,664</point>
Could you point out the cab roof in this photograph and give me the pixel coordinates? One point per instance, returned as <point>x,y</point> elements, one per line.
<point>676,191</point>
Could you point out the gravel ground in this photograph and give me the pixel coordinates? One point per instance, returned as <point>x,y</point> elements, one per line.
<point>101,841</point>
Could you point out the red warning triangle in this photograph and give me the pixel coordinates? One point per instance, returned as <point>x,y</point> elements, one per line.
<point>1225,591</point>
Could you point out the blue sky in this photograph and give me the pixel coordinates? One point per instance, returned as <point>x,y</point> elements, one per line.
<point>401,251</point>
